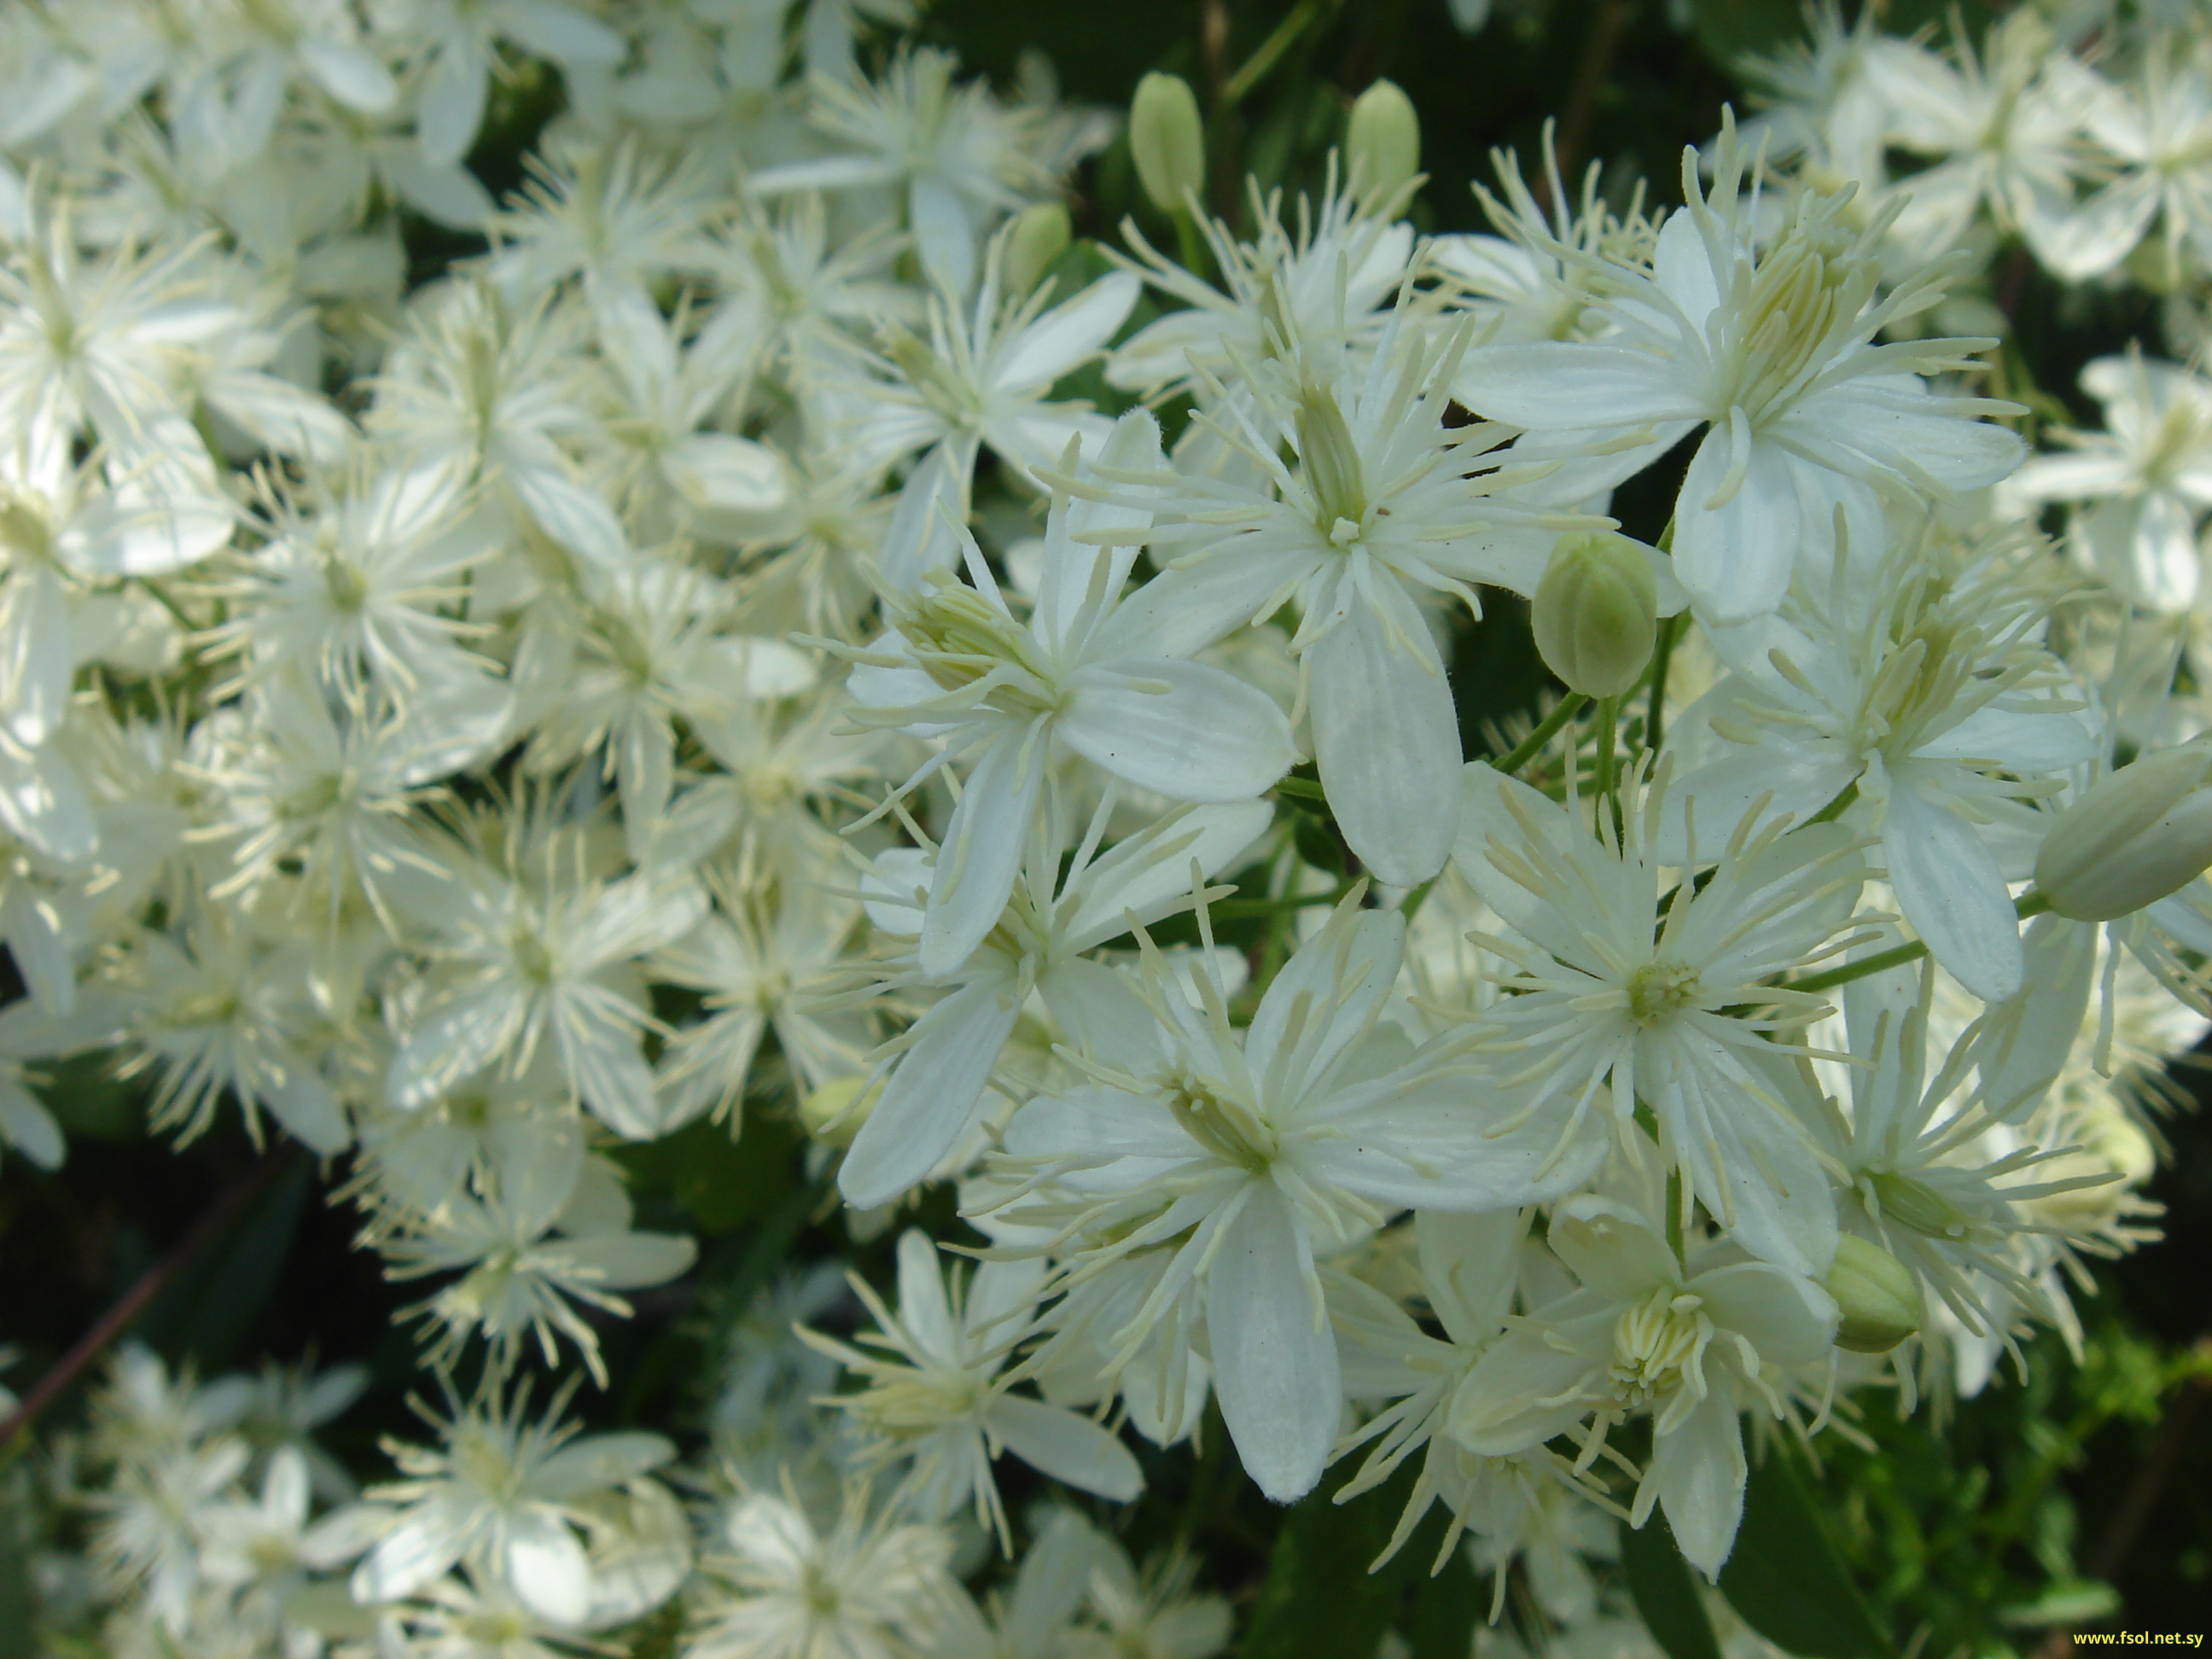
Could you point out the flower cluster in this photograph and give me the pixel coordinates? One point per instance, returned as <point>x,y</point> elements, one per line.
<point>702,655</point>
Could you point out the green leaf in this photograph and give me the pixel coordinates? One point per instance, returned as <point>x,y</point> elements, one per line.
<point>2069,1601</point>
<point>1731,30</point>
<point>1666,1590</point>
<point>721,1182</point>
<point>1319,1597</point>
<point>207,1312</point>
<point>16,1603</point>
<point>1787,1578</point>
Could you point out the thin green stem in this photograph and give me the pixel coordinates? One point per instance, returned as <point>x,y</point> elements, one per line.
<point>1254,70</point>
<point>1268,906</point>
<point>1189,245</point>
<point>1662,659</point>
<point>1837,806</point>
<point>2030,904</point>
<point>1608,764</point>
<point>1300,789</point>
<point>1676,1240</point>
<point>1546,729</point>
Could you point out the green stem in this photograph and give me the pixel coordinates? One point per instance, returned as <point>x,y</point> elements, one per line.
<point>1609,768</point>
<point>1189,245</point>
<point>2030,904</point>
<point>1268,906</point>
<point>1253,69</point>
<point>1676,1241</point>
<point>1546,729</point>
<point>1662,659</point>
<point>1300,789</point>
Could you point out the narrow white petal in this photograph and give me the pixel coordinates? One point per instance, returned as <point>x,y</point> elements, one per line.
<point>1274,1362</point>
<point>1951,891</point>
<point>1386,736</point>
<point>1067,1446</point>
<point>932,1098</point>
<point>1186,729</point>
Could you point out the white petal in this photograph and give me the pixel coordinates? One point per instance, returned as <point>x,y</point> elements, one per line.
<point>1275,1361</point>
<point>1056,342</point>
<point>547,1568</point>
<point>714,469</point>
<point>1951,891</point>
<point>572,515</point>
<point>1069,1447</point>
<point>1386,736</point>
<point>981,855</point>
<point>355,78</point>
<point>1735,559</point>
<point>933,1096</point>
<point>598,1462</point>
<point>1701,1470</point>
<point>450,107</point>
<point>1549,384</point>
<point>1186,729</point>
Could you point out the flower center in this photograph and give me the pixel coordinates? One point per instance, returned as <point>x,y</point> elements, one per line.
<point>1658,1345</point>
<point>959,637</point>
<point>1809,285</point>
<point>1660,989</point>
<point>917,1402</point>
<point>1333,466</point>
<point>1230,1130</point>
<point>1913,1203</point>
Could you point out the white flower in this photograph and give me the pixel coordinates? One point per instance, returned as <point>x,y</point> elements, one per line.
<point>961,158</point>
<point>502,1494</point>
<point>2142,484</point>
<point>1086,678</point>
<point>984,378</point>
<point>764,962</point>
<point>1692,1345</point>
<point>944,1406</point>
<point>1241,1161</point>
<point>781,1589</point>
<point>2004,124</point>
<point>1771,348</point>
<point>1469,1272</point>
<point>528,1249</point>
<point>1664,993</point>
<point>538,951</point>
<point>1384,501</point>
<point>939,1066</point>
<point>1922,685</point>
<point>457,42</point>
<point>1319,293</point>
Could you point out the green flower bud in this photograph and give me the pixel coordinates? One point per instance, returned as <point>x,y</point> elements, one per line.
<point>2136,835</point>
<point>1596,613</point>
<point>1167,141</point>
<point>1382,141</point>
<point>834,1113</point>
<point>1877,1296</point>
<point>1033,239</point>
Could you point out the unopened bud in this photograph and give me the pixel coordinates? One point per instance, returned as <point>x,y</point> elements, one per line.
<point>1596,613</point>
<point>834,1113</point>
<point>1382,141</point>
<point>1877,1296</point>
<point>1167,141</point>
<point>2136,835</point>
<point>1034,240</point>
